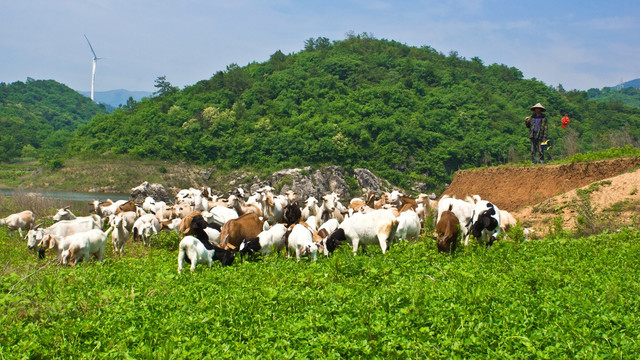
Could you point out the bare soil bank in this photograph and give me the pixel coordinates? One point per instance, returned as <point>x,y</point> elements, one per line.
<point>512,188</point>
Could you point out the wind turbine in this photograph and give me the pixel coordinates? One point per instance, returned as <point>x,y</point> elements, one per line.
<point>93,68</point>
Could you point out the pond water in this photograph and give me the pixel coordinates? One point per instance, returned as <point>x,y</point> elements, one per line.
<point>66,195</point>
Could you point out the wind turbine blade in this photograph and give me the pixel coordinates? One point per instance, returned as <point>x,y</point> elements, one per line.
<point>91,47</point>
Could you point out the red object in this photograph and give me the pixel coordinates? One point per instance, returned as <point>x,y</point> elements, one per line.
<point>565,121</point>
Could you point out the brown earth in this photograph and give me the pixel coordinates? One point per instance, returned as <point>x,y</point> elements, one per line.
<point>537,194</point>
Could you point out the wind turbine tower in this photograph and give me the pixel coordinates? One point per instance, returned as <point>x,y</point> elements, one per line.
<point>93,68</point>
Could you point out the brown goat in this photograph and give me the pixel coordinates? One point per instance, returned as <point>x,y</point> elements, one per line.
<point>128,206</point>
<point>234,231</point>
<point>185,225</point>
<point>448,229</point>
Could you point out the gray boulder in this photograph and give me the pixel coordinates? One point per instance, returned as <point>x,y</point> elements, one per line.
<point>156,191</point>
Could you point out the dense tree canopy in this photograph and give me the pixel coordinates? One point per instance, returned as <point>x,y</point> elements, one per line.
<point>627,95</point>
<point>41,116</point>
<point>410,114</point>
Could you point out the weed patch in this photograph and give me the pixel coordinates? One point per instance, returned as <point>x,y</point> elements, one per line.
<point>550,298</point>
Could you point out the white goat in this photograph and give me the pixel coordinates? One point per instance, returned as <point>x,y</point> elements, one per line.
<point>61,229</point>
<point>301,242</point>
<point>219,215</point>
<point>145,226</point>
<point>82,245</point>
<point>120,234</point>
<point>377,227</point>
<point>408,226</point>
<point>311,208</point>
<point>506,220</point>
<point>129,216</point>
<point>197,252</point>
<point>272,210</point>
<point>266,241</point>
<point>485,223</point>
<point>19,221</point>
<point>328,209</point>
<point>66,214</point>
<point>107,208</point>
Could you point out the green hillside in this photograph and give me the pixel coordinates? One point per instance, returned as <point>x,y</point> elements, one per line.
<point>628,95</point>
<point>409,114</point>
<point>39,116</point>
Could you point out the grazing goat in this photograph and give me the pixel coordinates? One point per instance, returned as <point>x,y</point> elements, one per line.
<point>234,231</point>
<point>265,242</point>
<point>82,245</point>
<point>486,223</point>
<point>463,211</point>
<point>145,226</point>
<point>300,241</point>
<point>104,209</point>
<point>448,229</point>
<point>196,252</point>
<point>203,231</point>
<point>376,227</point>
<point>66,214</point>
<point>19,221</point>
<point>128,206</point>
<point>408,226</point>
<point>219,215</point>
<point>61,229</point>
<point>506,220</point>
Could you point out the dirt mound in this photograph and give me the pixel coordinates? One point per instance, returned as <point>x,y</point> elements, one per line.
<point>615,201</point>
<point>512,188</point>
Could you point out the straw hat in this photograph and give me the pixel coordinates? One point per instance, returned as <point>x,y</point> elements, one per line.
<point>538,105</point>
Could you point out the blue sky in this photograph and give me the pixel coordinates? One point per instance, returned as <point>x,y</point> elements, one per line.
<point>579,44</point>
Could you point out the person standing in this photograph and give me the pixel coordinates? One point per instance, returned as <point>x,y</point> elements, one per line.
<point>538,131</point>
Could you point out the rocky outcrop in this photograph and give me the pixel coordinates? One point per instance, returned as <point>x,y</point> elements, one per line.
<point>156,191</point>
<point>368,181</point>
<point>304,181</point>
<point>308,182</point>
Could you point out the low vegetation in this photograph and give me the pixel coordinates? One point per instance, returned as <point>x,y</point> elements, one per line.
<point>549,298</point>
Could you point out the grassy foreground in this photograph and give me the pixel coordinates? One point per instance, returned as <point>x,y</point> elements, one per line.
<point>551,298</point>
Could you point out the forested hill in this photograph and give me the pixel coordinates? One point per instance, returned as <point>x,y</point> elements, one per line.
<point>39,117</point>
<point>409,114</point>
<point>627,95</point>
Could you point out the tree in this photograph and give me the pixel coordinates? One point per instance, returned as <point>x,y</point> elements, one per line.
<point>163,86</point>
<point>130,105</point>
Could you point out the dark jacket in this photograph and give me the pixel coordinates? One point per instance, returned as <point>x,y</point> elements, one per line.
<point>543,129</point>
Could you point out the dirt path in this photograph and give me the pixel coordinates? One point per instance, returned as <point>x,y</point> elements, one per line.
<point>537,194</point>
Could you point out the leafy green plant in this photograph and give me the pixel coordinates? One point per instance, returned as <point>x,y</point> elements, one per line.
<point>516,232</point>
<point>552,298</point>
<point>612,153</point>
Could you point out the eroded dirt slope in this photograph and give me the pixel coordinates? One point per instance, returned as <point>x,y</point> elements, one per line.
<point>512,188</point>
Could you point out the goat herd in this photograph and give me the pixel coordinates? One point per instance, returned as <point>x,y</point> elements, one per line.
<point>218,229</point>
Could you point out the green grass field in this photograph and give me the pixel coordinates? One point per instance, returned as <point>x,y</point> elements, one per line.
<point>550,298</point>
